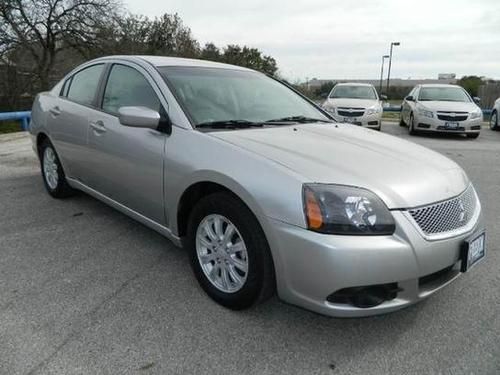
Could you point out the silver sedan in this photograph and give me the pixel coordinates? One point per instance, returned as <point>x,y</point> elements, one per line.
<point>264,190</point>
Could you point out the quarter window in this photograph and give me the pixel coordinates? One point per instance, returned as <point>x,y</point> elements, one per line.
<point>83,85</point>
<point>127,87</point>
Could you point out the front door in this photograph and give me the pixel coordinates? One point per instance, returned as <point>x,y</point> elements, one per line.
<point>127,163</point>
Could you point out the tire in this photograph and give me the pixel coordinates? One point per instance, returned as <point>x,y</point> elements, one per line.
<point>411,126</point>
<point>473,135</point>
<point>53,175</point>
<point>401,121</point>
<point>494,121</point>
<point>258,283</point>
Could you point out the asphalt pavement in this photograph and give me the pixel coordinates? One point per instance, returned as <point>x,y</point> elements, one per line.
<point>86,290</point>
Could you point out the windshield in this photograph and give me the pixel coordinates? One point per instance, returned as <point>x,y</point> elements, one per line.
<point>444,94</point>
<point>353,92</point>
<point>216,95</point>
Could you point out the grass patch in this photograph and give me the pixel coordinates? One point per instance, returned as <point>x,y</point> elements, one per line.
<point>10,127</point>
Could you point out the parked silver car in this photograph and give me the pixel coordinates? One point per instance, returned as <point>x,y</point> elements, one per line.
<point>494,122</point>
<point>441,108</point>
<point>355,103</point>
<point>262,188</point>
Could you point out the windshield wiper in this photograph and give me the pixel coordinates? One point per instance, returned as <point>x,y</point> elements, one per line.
<point>299,119</point>
<point>229,124</point>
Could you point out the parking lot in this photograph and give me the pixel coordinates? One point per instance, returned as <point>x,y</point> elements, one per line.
<point>86,290</point>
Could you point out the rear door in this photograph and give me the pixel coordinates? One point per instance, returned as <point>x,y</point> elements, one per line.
<point>127,163</point>
<point>68,119</point>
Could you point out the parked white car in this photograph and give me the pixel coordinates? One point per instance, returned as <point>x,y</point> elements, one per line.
<point>355,103</point>
<point>441,108</point>
<point>494,116</point>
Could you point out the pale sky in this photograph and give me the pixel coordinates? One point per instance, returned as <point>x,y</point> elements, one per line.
<point>346,39</point>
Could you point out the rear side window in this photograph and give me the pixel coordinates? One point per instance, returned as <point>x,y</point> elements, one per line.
<point>127,87</point>
<point>83,85</point>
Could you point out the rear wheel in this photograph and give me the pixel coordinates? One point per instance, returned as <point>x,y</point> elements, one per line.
<point>494,121</point>
<point>52,172</point>
<point>229,253</point>
<point>473,135</point>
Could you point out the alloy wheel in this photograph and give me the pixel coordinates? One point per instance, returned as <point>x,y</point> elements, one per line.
<point>50,168</point>
<point>222,253</point>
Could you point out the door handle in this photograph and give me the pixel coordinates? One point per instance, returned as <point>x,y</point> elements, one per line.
<point>98,126</point>
<point>56,111</point>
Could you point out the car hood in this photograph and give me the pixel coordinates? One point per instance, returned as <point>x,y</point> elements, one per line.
<point>355,103</point>
<point>449,106</point>
<point>402,173</point>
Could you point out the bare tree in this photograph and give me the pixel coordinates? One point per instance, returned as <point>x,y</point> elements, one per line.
<point>43,29</point>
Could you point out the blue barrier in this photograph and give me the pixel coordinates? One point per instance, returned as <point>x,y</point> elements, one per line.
<point>24,117</point>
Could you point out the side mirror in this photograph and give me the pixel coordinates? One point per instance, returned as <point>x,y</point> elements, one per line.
<point>476,100</point>
<point>410,98</point>
<point>139,117</point>
<point>383,97</point>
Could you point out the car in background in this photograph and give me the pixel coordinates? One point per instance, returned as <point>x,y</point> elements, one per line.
<point>494,116</point>
<point>355,103</point>
<point>441,108</point>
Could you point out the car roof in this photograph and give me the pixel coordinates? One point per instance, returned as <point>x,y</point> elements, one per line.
<point>437,85</point>
<point>160,61</point>
<point>353,84</point>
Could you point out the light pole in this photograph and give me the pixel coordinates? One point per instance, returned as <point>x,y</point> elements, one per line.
<point>382,72</point>
<point>390,62</point>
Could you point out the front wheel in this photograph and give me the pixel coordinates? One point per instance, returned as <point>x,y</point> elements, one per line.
<point>229,253</point>
<point>401,121</point>
<point>473,135</point>
<point>494,121</point>
<point>411,126</point>
<point>53,175</point>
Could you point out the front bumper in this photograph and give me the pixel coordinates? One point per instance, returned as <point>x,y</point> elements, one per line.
<point>469,126</point>
<point>369,121</point>
<point>311,266</point>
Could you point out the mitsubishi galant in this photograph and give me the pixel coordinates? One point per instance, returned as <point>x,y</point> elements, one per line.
<point>266,192</point>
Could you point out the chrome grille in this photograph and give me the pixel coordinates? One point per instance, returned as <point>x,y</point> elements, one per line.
<point>448,215</point>
<point>350,112</point>
<point>455,117</point>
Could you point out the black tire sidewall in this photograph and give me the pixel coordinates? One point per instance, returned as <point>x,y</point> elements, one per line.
<point>411,125</point>
<point>494,125</point>
<point>257,249</point>
<point>401,121</point>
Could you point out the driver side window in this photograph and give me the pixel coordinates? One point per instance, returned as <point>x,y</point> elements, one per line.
<point>127,87</point>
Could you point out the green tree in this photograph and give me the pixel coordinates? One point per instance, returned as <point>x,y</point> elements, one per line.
<point>250,58</point>
<point>471,84</point>
<point>169,36</point>
<point>43,30</point>
<point>324,89</point>
<point>210,52</point>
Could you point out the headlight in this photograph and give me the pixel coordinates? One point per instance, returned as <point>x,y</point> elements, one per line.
<point>373,110</point>
<point>329,109</point>
<point>340,209</point>
<point>476,114</point>
<point>425,112</point>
